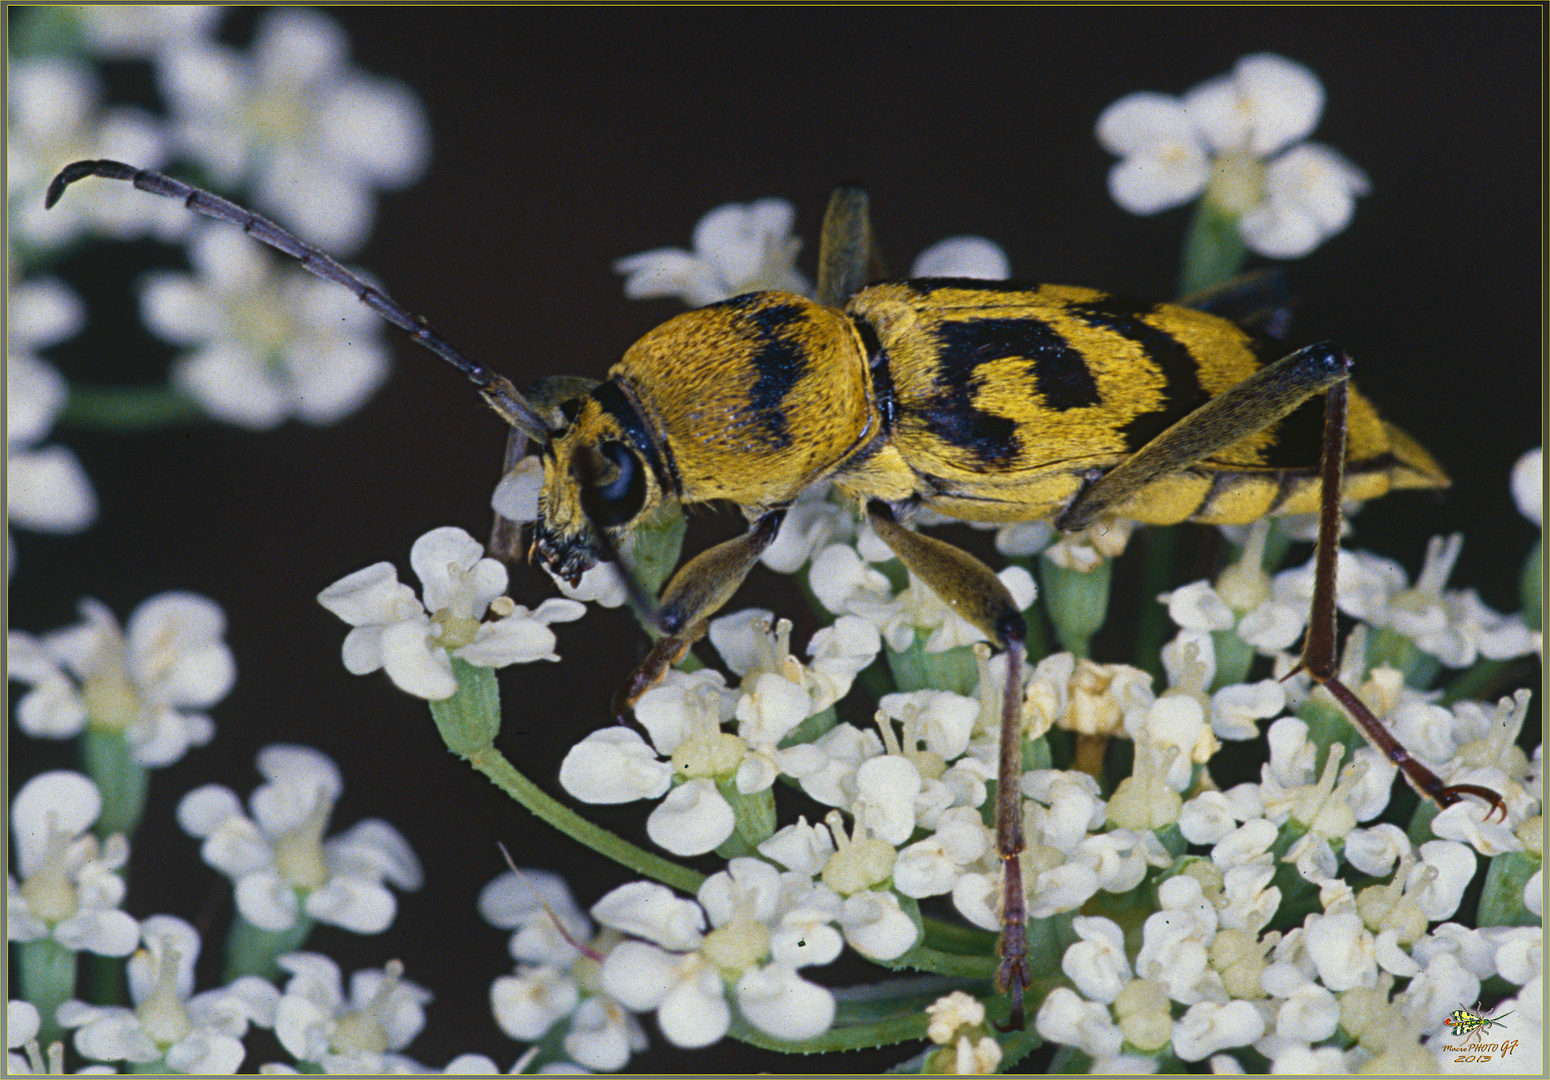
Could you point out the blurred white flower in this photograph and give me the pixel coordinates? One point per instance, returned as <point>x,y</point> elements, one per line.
<point>414,643</point>
<point>170,1025</point>
<point>133,31</point>
<point>278,861</point>
<point>54,117</point>
<point>1232,138</point>
<point>360,1033</point>
<point>46,488</point>
<point>295,123</point>
<point>963,257</point>
<point>68,889</point>
<point>1528,483</point>
<point>265,341</point>
<point>738,248</point>
<point>145,683</point>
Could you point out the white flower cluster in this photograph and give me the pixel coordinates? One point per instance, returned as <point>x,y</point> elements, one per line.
<point>1236,139</point>
<point>146,683</point>
<point>414,643</point>
<point>742,248</point>
<point>288,123</point>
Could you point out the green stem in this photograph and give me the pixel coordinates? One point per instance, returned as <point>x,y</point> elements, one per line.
<point>1213,249</point>
<point>106,758</point>
<point>252,951</point>
<point>1501,901</point>
<point>1482,673</point>
<point>129,408</point>
<point>47,979</point>
<point>468,721</point>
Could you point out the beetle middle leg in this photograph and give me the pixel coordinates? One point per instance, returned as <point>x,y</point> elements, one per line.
<point>699,589</point>
<point>970,588</point>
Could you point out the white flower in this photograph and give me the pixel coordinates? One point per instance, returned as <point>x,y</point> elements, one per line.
<point>1209,1026</point>
<point>1175,943</point>
<point>309,134</point>
<point>765,924</point>
<point>126,31</point>
<point>555,980</point>
<point>738,248</point>
<point>264,342</point>
<point>170,1024</point>
<point>1097,964</point>
<point>962,257</point>
<point>412,642</point>
<point>67,890</point>
<point>1343,951</point>
<point>145,682</point>
<point>1231,138</point>
<point>46,488</point>
<point>55,117</point>
<point>1065,1018</point>
<point>318,1024</point>
<point>1528,485</point>
<point>278,860</point>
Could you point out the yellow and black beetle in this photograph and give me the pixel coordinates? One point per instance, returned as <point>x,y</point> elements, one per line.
<point>984,401</point>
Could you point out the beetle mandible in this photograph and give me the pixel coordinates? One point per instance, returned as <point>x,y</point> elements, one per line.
<point>985,401</point>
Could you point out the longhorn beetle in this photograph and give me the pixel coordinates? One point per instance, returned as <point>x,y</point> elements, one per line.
<point>985,401</point>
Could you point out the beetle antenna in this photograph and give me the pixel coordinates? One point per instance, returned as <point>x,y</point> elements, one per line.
<point>497,390</point>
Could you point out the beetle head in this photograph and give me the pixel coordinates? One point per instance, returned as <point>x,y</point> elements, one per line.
<point>598,474</point>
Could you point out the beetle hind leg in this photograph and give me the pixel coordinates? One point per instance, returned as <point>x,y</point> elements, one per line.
<point>1319,646</point>
<point>970,588</point>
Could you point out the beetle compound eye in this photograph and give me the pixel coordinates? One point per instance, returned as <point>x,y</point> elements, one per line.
<point>617,491</point>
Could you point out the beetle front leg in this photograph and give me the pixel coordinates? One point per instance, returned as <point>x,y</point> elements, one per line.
<point>699,589</point>
<point>970,588</point>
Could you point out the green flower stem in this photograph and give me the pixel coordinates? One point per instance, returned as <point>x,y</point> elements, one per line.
<point>916,669</point>
<point>753,816</point>
<point>1389,646</point>
<point>1076,601</point>
<point>1472,684</point>
<point>1501,901</point>
<point>149,1068</point>
<point>251,950</point>
<point>106,758</point>
<point>1213,249</point>
<point>981,965</point>
<point>468,721</point>
<point>46,970</point>
<point>900,1029</point>
<point>953,937</point>
<point>129,408</point>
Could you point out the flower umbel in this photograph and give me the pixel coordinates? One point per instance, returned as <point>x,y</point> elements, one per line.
<point>414,642</point>
<point>1235,139</point>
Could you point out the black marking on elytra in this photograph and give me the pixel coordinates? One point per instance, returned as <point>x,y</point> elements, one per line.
<point>1182,393</point>
<point>1060,375</point>
<point>883,394</point>
<point>778,356</point>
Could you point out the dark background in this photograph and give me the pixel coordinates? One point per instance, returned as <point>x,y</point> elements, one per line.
<point>564,139</point>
